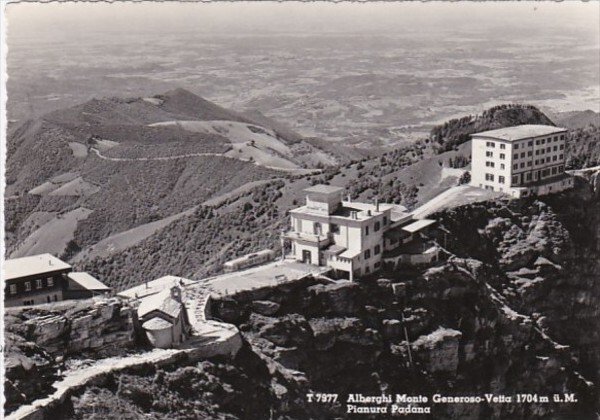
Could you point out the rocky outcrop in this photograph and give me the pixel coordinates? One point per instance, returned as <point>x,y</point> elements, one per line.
<point>340,298</point>
<point>68,327</point>
<point>544,257</point>
<point>438,350</point>
<point>265,307</point>
<point>464,337</point>
<point>39,340</point>
<point>29,371</point>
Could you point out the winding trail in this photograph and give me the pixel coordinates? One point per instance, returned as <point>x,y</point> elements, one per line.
<point>193,155</point>
<point>143,159</point>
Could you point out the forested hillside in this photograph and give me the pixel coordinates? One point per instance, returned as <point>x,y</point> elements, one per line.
<point>583,147</point>
<point>457,131</point>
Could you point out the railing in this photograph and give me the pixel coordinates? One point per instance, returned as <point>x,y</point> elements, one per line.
<point>322,239</point>
<point>342,263</point>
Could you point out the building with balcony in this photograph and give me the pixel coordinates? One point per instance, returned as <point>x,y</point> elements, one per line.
<point>520,161</point>
<point>349,237</point>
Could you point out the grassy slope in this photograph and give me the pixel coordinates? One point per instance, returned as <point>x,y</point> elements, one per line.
<point>121,195</point>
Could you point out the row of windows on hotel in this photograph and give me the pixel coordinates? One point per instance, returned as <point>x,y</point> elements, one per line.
<point>529,163</point>
<point>529,143</point>
<point>376,251</point>
<point>528,177</point>
<point>376,226</point>
<point>529,153</point>
<point>334,228</point>
<point>12,288</point>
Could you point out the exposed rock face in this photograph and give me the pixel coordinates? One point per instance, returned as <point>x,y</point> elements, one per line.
<point>289,330</point>
<point>464,337</point>
<point>38,339</point>
<point>335,298</point>
<point>438,350</point>
<point>392,328</point>
<point>202,390</point>
<point>29,371</point>
<point>265,307</point>
<point>546,258</point>
<point>76,326</point>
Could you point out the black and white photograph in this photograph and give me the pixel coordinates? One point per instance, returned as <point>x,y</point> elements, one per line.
<point>300,210</point>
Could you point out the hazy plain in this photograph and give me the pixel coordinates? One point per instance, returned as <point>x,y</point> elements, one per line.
<point>375,74</point>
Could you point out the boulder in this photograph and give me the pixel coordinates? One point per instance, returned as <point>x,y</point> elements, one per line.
<point>392,329</point>
<point>229,310</point>
<point>399,289</point>
<point>330,331</point>
<point>339,298</point>
<point>289,357</point>
<point>438,351</point>
<point>286,331</point>
<point>265,307</point>
<point>384,283</point>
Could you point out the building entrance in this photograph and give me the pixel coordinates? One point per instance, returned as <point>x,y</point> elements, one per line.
<point>306,257</point>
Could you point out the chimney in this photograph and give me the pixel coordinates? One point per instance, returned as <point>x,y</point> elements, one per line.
<point>368,212</point>
<point>349,198</point>
<point>376,204</point>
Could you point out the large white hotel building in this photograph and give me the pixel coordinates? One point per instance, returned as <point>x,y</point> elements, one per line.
<point>521,160</point>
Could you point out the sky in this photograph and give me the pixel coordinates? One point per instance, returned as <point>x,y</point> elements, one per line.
<point>71,19</point>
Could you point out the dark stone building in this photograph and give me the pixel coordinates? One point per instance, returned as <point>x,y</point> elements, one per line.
<point>43,278</point>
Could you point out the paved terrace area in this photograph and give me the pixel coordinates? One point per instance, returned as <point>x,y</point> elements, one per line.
<point>270,274</point>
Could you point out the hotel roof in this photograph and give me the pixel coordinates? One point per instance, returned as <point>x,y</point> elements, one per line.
<point>520,132</point>
<point>87,281</point>
<point>30,266</point>
<point>418,225</point>
<point>345,211</point>
<point>323,189</point>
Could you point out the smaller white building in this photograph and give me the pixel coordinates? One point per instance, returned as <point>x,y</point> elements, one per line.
<point>522,160</point>
<point>164,318</point>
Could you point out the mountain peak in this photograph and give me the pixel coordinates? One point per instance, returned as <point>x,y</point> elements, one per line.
<point>185,103</point>
<point>178,92</point>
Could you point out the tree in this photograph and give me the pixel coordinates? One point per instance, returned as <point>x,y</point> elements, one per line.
<point>465,178</point>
